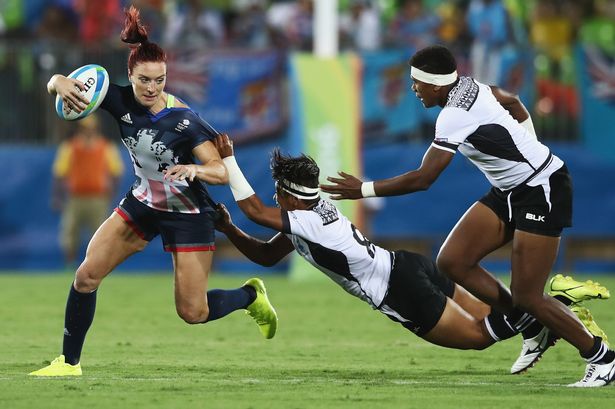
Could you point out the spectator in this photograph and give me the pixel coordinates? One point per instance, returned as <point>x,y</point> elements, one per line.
<point>360,26</point>
<point>99,20</point>
<point>86,173</point>
<point>249,27</point>
<point>192,25</point>
<point>491,31</point>
<point>414,26</point>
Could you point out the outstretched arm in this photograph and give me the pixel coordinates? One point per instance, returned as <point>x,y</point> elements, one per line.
<point>265,253</point>
<point>349,187</point>
<point>249,203</point>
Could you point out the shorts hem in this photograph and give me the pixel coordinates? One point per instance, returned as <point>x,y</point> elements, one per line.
<point>187,249</point>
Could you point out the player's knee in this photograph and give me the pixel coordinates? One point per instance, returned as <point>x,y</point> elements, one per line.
<point>86,279</point>
<point>193,314</point>
<point>449,265</point>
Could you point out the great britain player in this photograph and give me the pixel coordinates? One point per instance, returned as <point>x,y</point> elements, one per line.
<point>404,286</point>
<point>529,204</point>
<point>163,136</point>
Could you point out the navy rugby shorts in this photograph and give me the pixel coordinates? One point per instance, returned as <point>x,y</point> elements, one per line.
<point>544,209</point>
<point>180,232</point>
<point>417,292</point>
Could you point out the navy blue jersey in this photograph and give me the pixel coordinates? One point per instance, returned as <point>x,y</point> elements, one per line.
<point>157,142</point>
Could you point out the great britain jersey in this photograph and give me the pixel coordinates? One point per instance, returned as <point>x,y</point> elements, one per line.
<point>474,122</point>
<point>332,244</point>
<point>157,142</point>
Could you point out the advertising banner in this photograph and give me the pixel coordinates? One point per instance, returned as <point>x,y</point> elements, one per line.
<point>240,93</point>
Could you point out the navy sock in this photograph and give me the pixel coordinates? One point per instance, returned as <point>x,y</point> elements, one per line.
<point>78,317</point>
<point>498,327</point>
<point>223,302</point>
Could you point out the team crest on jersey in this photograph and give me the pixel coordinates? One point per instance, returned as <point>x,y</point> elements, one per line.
<point>182,125</point>
<point>326,211</point>
<point>143,146</point>
<point>464,94</point>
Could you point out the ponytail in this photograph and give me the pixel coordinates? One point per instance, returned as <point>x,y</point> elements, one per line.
<point>135,33</point>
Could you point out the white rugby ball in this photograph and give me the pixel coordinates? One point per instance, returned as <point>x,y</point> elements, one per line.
<point>96,81</point>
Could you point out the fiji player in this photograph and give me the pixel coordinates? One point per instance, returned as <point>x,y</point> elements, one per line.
<point>163,136</point>
<point>529,205</point>
<point>406,287</point>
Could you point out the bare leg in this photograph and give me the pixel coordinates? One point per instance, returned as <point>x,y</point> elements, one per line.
<point>470,304</point>
<point>532,259</point>
<point>459,329</point>
<point>191,281</point>
<point>478,233</point>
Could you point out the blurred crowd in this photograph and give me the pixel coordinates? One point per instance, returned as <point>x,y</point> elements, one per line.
<point>484,25</point>
<point>493,39</point>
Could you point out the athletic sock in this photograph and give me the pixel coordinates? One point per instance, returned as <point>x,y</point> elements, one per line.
<point>498,327</point>
<point>520,320</point>
<point>599,353</point>
<point>564,300</point>
<point>223,302</point>
<point>78,317</point>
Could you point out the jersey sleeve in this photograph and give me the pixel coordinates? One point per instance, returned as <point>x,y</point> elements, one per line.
<point>202,131</point>
<point>113,101</point>
<point>302,223</point>
<point>453,126</point>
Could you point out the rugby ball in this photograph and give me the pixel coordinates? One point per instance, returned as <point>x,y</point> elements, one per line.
<point>96,81</point>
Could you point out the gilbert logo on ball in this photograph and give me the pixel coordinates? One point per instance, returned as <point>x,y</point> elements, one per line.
<point>96,81</point>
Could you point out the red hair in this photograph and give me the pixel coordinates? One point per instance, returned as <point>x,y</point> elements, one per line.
<point>135,33</point>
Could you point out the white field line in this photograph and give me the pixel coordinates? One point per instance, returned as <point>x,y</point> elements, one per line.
<point>292,381</point>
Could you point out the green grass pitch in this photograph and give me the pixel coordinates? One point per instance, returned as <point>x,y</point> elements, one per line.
<point>331,351</point>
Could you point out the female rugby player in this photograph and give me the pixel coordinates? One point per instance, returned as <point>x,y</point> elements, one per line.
<point>529,204</point>
<point>163,136</point>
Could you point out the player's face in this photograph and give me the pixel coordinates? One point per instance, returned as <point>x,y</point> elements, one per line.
<point>282,199</point>
<point>148,80</point>
<point>425,92</point>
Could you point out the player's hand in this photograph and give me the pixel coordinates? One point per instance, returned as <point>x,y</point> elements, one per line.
<point>70,90</point>
<point>346,187</point>
<point>223,221</point>
<point>224,145</point>
<point>180,172</point>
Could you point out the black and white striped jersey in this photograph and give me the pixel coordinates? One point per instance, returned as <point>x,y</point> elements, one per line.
<point>332,244</point>
<point>475,123</point>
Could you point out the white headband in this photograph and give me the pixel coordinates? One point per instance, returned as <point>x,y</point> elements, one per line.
<point>300,192</point>
<point>435,79</point>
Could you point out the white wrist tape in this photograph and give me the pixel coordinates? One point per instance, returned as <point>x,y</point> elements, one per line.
<point>367,189</point>
<point>240,187</point>
<point>529,125</point>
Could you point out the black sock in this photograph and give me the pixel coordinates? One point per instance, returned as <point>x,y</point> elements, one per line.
<point>78,317</point>
<point>599,353</point>
<point>563,300</point>
<point>520,320</point>
<point>532,330</point>
<point>498,327</point>
<point>223,302</point>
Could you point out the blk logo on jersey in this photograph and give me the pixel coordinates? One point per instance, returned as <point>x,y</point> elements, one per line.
<point>534,217</point>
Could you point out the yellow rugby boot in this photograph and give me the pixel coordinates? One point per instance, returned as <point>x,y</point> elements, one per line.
<point>58,367</point>
<point>577,291</point>
<point>261,309</point>
<point>585,316</point>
